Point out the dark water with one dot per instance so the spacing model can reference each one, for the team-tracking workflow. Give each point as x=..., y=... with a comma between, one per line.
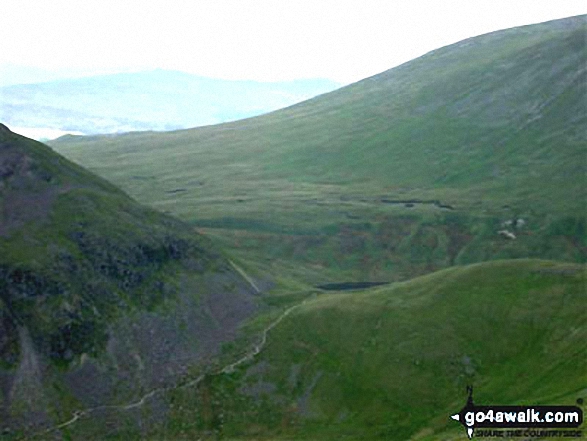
x=345, y=286
x=409, y=203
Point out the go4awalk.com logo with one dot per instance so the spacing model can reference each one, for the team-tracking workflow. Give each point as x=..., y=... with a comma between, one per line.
x=526, y=421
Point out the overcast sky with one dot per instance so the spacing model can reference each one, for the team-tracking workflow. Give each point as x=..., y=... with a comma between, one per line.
x=259, y=40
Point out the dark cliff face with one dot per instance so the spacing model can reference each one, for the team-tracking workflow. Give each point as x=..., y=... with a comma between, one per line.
x=77, y=253
x=81, y=264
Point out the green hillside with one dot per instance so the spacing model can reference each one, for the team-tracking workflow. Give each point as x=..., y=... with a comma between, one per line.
x=393, y=363
x=100, y=297
x=409, y=171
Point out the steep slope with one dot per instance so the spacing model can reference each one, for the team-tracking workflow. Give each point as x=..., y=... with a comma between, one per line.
x=408, y=171
x=393, y=363
x=101, y=299
x=152, y=100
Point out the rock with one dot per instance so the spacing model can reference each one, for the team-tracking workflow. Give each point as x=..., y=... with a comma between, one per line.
x=507, y=234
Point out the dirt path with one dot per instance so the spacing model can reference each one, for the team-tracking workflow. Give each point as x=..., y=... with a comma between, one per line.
x=245, y=276
x=78, y=414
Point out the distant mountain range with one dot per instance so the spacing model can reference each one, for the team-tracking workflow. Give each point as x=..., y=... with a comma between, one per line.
x=153, y=100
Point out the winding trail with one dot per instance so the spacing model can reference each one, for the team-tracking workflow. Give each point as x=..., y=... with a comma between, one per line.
x=78, y=414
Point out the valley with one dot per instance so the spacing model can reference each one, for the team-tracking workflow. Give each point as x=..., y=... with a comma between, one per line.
x=471, y=136
x=343, y=268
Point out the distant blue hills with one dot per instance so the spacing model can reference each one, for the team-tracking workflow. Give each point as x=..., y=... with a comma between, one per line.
x=151, y=100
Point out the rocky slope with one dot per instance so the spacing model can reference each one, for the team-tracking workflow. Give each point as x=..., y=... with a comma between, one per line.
x=100, y=298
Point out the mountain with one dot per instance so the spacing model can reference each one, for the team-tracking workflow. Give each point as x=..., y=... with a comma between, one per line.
x=473, y=152
x=455, y=182
x=101, y=299
x=152, y=100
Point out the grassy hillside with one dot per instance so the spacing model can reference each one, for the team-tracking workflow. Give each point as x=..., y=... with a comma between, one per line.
x=394, y=362
x=411, y=170
x=152, y=100
x=388, y=363
x=100, y=297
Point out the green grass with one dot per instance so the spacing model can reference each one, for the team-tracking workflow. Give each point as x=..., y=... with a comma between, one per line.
x=487, y=126
x=392, y=362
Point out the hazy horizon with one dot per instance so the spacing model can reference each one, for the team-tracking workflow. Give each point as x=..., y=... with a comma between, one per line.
x=258, y=40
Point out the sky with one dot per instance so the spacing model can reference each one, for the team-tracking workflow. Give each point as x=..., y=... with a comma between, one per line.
x=261, y=40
